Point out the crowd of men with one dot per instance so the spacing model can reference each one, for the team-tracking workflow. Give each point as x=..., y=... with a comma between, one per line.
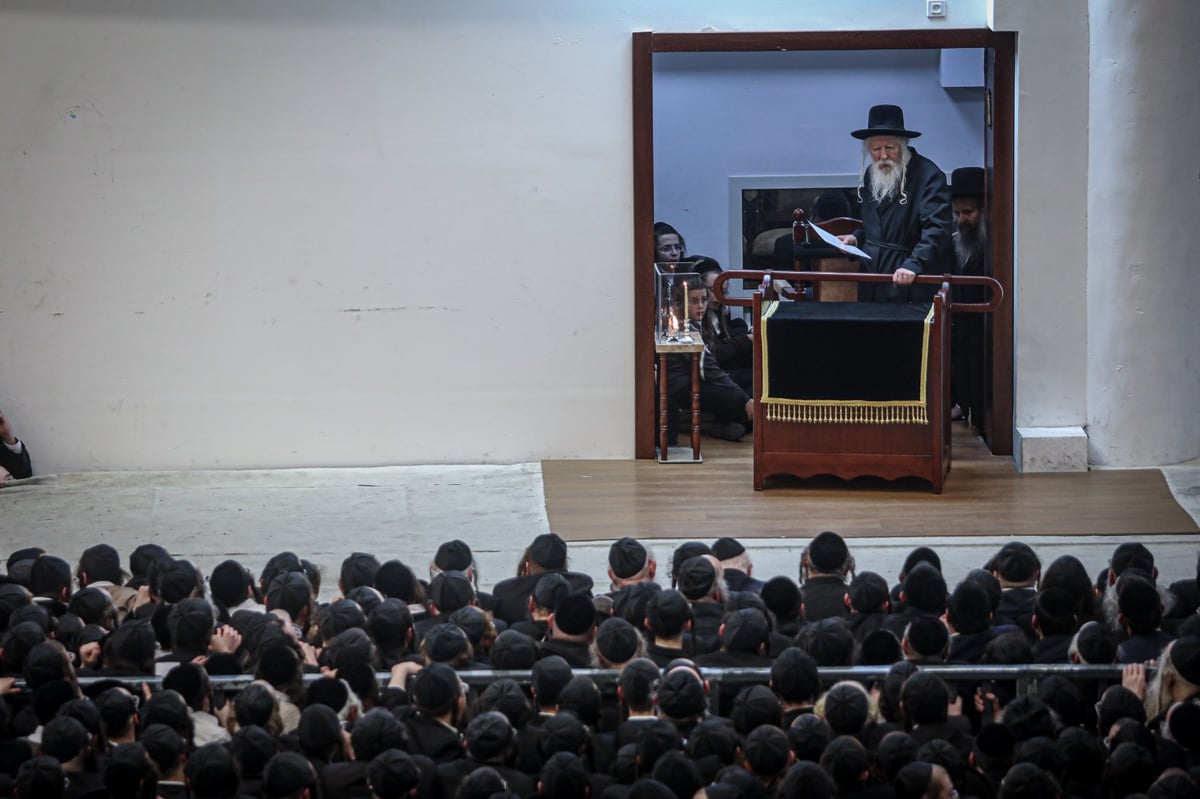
x=118, y=683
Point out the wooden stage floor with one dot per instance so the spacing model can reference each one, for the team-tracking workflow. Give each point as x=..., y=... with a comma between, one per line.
x=589, y=500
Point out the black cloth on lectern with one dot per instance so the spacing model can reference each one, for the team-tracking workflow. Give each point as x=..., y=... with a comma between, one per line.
x=870, y=352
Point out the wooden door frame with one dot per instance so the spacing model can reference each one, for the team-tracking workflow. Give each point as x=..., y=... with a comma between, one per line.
x=1002, y=131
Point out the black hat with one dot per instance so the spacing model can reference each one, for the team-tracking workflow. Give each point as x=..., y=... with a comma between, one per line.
x=1094, y=645
x=868, y=591
x=395, y=579
x=781, y=595
x=508, y=697
x=133, y=641
x=885, y=120
x=287, y=774
x=828, y=552
x=27, y=553
x=175, y=580
x=685, y=551
x=548, y=551
x=445, y=642
x=617, y=640
x=550, y=589
x=1185, y=657
x=230, y=583
x=847, y=708
x=927, y=636
x=252, y=747
x=211, y=772
x=879, y=648
x=562, y=732
x=754, y=706
x=436, y=689
x=472, y=620
x=696, y=577
x=91, y=605
x=40, y=776
x=745, y=631
x=453, y=556
x=331, y=692
x=143, y=557
x=626, y=557
x=514, y=650
x=488, y=735
x=393, y=774
x=101, y=562
x=575, y=614
x=1016, y=562
x=726, y=548
x=913, y=780
x=681, y=694
x=376, y=731
x=368, y=597
x=829, y=641
x=548, y=677
x=450, y=591
x=766, y=750
x=1132, y=554
x=319, y=729
x=809, y=735
x=967, y=181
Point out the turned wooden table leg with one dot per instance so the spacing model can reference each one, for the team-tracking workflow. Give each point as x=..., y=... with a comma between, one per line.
x=662, y=406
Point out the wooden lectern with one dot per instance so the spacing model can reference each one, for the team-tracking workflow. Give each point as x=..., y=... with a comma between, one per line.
x=807, y=434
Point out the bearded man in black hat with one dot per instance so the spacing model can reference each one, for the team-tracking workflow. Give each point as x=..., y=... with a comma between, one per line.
x=905, y=211
x=966, y=329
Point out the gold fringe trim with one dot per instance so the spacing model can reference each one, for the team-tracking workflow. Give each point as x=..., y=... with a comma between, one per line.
x=847, y=412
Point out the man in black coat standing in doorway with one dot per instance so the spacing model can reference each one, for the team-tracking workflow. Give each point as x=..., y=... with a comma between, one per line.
x=905, y=211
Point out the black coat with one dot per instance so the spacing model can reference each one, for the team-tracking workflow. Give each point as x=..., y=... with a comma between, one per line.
x=912, y=233
x=824, y=597
x=19, y=466
x=511, y=596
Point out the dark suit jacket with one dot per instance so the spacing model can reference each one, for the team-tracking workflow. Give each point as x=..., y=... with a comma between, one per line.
x=824, y=597
x=19, y=466
x=1016, y=607
x=511, y=596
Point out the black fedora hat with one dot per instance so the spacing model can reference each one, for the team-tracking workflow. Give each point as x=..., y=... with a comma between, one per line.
x=885, y=120
x=967, y=181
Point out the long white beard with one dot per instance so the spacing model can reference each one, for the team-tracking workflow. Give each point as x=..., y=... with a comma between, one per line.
x=885, y=183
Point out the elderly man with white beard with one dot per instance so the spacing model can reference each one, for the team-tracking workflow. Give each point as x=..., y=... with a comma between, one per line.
x=905, y=211
x=966, y=329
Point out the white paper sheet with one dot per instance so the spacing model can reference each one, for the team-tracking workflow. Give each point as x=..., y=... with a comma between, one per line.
x=834, y=241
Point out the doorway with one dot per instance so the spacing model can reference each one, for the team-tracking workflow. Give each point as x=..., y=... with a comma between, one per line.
x=1000, y=67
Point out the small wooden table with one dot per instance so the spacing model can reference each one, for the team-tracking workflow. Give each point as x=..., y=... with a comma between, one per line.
x=665, y=348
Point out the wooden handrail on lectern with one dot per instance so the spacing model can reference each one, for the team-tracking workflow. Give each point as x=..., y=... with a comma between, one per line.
x=766, y=278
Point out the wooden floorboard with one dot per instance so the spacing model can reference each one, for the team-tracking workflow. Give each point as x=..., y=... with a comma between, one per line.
x=590, y=500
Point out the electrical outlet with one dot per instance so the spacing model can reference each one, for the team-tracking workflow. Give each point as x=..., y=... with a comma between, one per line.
x=935, y=9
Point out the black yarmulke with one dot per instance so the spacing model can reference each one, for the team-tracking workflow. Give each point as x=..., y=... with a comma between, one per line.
x=766, y=750
x=453, y=556
x=575, y=614
x=696, y=577
x=436, y=689
x=550, y=589
x=513, y=650
x=617, y=640
x=548, y=551
x=626, y=557
x=445, y=642
x=450, y=591
x=828, y=552
x=726, y=548
x=488, y=735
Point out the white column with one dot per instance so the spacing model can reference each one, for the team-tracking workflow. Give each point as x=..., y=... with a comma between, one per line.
x=1143, y=254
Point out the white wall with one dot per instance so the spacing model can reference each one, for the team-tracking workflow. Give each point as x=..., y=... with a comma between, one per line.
x=1142, y=235
x=1050, y=352
x=242, y=234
